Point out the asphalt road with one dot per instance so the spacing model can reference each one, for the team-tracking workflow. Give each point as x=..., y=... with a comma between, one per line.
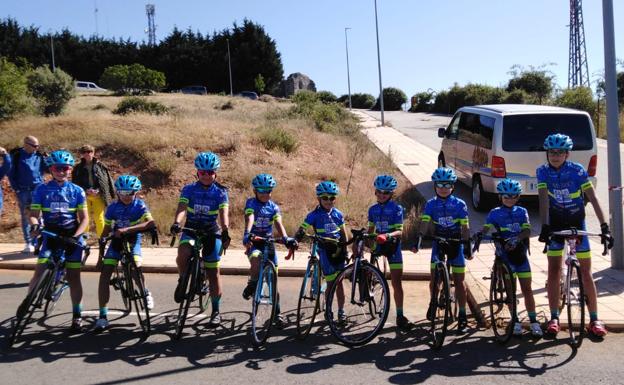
x=49, y=354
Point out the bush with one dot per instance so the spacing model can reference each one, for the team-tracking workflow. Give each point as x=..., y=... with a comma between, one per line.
x=278, y=138
x=326, y=97
x=537, y=83
x=360, y=100
x=52, y=90
x=305, y=97
x=393, y=99
x=517, y=96
x=132, y=79
x=578, y=98
x=14, y=93
x=422, y=102
x=325, y=117
x=136, y=104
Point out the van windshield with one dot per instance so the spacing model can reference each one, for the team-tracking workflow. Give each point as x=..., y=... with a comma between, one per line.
x=527, y=132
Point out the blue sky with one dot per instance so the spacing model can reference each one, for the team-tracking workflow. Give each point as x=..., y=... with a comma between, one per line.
x=424, y=43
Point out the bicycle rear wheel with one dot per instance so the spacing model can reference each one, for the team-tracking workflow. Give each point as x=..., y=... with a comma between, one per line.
x=309, y=296
x=188, y=283
x=575, y=294
x=264, y=304
x=29, y=305
x=366, y=304
x=138, y=296
x=502, y=302
x=440, y=305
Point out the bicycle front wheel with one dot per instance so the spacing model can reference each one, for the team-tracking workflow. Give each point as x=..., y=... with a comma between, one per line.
x=202, y=288
x=29, y=305
x=188, y=282
x=138, y=296
x=502, y=302
x=264, y=304
x=309, y=296
x=575, y=294
x=363, y=294
x=53, y=291
x=120, y=282
x=440, y=306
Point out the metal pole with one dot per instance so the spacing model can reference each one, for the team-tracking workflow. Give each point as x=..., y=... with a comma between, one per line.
x=348, y=76
x=613, y=136
x=52, y=49
x=381, y=105
x=229, y=66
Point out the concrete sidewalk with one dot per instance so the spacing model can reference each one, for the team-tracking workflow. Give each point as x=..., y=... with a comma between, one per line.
x=417, y=162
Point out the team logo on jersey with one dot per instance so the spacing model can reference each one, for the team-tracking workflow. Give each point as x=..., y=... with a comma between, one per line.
x=59, y=207
x=446, y=221
x=330, y=228
x=513, y=227
x=201, y=209
x=562, y=195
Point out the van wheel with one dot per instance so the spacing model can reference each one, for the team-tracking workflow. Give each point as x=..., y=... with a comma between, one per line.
x=480, y=198
x=441, y=160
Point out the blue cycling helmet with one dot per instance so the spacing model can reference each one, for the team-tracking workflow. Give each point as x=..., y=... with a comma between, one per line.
x=385, y=183
x=509, y=186
x=264, y=182
x=207, y=161
x=128, y=183
x=444, y=174
x=558, y=142
x=327, y=187
x=60, y=158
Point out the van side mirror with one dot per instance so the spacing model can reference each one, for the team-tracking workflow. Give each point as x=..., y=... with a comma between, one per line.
x=441, y=132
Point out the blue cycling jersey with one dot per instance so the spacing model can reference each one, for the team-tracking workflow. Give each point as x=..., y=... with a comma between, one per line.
x=565, y=187
x=203, y=203
x=264, y=216
x=59, y=204
x=119, y=215
x=448, y=215
x=325, y=223
x=508, y=221
x=386, y=217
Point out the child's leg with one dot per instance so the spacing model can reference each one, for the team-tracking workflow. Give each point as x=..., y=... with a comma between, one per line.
x=104, y=288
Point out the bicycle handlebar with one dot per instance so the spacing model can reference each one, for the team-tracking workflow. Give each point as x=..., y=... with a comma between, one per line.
x=573, y=233
x=104, y=240
x=67, y=240
x=192, y=231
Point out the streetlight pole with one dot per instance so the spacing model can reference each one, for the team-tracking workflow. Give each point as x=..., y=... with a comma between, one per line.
x=381, y=105
x=229, y=66
x=613, y=136
x=52, y=50
x=348, y=76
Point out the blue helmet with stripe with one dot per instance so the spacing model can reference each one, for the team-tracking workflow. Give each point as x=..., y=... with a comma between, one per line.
x=444, y=174
x=264, y=182
x=60, y=158
x=385, y=183
x=558, y=142
x=509, y=186
x=207, y=161
x=327, y=188
x=127, y=183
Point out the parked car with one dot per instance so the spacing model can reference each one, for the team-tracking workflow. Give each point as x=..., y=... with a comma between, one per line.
x=484, y=144
x=194, y=90
x=248, y=94
x=88, y=87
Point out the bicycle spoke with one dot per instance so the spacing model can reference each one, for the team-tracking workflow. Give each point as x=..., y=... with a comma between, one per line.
x=264, y=304
x=502, y=302
x=308, y=304
x=576, y=305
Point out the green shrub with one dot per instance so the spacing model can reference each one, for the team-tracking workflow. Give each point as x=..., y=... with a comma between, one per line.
x=14, y=93
x=517, y=96
x=578, y=98
x=278, y=138
x=537, y=83
x=304, y=97
x=393, y=99
x=422, y=102
x=325, y=117
x=135, y=78
x=326, y=97
x=135, y=104
x=52, y=90
x=360, y=100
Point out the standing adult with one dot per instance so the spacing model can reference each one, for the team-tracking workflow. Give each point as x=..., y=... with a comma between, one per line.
x=26, y=173
x=5, y=166
x=93, y=176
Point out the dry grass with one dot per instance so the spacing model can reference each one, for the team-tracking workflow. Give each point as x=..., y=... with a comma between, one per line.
x=161, y=149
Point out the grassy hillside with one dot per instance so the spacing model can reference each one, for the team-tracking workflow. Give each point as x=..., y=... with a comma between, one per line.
x=160, y=150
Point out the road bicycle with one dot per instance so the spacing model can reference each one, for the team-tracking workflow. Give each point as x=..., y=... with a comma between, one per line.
x=51, y=283
x=366, y=298
x=572, y=292
x=128, y=277
x=193, y=280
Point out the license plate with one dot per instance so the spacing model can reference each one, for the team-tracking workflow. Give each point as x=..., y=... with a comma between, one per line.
x=532, y=186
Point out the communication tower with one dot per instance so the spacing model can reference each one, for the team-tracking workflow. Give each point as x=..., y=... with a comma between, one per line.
x=578, y=73
x=150, y=9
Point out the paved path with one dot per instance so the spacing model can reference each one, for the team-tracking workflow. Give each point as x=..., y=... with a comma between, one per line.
x=417, y=161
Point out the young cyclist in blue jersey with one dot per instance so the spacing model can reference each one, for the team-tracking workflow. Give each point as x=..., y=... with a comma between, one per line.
x=561, y=185
x=446, y=215
x=261, y=214
x=128, y=215
x=203, y=203
x=511, y=222
x=328, y=222
x=385, y=218
x=62, y=205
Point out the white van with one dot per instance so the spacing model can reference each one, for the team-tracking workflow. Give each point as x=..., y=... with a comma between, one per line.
x=88, y=87
x=484, y=144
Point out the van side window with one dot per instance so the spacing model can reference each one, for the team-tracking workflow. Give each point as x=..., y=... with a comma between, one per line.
x=468, y=128
x=486, y=131
x=454, y=126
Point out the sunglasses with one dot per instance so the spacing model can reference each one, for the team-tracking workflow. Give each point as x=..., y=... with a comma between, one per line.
x=263, y=190
x=32, y=145
x=383, y=192
x=510, y=196
x=60, y=168
x=125, y=193
x=206, y=172
x=557, y=152
x=444, y=185
x=330, y=198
